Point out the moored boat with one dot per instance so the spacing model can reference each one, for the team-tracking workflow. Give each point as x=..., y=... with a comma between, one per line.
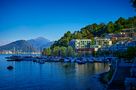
x=14, y=58
x=80, y=61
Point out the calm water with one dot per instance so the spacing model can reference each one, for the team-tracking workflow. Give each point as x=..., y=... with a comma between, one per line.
x=50, y=76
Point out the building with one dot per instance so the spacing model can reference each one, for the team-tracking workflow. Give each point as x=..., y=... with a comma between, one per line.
x=120, y=46
x=88, y=45
x=131, y=44
x=80, y=43
x=125, y=34
x=6, y=52
x=102, y=42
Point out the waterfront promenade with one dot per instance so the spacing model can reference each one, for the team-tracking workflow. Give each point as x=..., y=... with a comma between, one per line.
x=119, y=77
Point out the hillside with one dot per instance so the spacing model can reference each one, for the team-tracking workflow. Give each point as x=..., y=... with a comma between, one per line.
x=36, y=44
x=20, y=45
x=39, y=43
x=99, y=30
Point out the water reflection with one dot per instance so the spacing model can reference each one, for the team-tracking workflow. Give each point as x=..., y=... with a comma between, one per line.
x=91, y=68
x=30, y=75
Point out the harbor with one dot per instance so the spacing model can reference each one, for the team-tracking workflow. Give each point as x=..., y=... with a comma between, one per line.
x=43, y=59
x=50, y=75
x=67, y=45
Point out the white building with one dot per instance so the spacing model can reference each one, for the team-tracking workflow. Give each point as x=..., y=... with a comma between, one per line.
x=88, y=43
x=102, y=41
x=80, y=43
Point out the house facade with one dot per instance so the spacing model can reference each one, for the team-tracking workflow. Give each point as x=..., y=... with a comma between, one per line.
x=88, y=45
x=80, y=43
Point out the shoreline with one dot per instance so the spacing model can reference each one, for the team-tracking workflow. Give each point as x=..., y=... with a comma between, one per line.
x=97, y=81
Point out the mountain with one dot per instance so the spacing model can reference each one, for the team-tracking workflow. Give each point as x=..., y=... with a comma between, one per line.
x=28, y=45
x=47, y=45
x=40, y=43
x=20, y=45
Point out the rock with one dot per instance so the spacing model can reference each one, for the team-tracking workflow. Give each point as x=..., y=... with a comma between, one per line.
x=10, y=67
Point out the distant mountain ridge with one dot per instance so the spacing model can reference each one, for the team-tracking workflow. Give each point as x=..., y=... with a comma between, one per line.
x=19, y=45
x=39, y=43
x=31, y=45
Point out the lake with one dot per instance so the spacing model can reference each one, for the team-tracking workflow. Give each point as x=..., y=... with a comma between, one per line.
x=28, y=75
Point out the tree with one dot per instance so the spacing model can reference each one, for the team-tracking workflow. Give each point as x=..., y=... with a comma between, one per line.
x=64, y=41
x=110, y=27
x=96, y=30
x=120, y=24
x=55, y=51
x=101, y=30
x=128, y=55
x=86, y=34
x=47, y=51
x=67, y=34
x=70, y=51
x=118, y=28
x=63, y=51
x=131, y=52
x=133, y=3
x=78, y=35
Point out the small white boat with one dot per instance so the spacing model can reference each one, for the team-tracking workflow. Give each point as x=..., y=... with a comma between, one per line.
x=66, y=60
x=73, y=59
x=80, y=61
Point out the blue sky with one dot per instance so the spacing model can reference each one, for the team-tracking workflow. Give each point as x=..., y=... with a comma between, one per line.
x=26, y=19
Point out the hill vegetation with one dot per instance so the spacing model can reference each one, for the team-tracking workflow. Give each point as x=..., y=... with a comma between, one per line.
x=96, y=30
x=93, y=30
